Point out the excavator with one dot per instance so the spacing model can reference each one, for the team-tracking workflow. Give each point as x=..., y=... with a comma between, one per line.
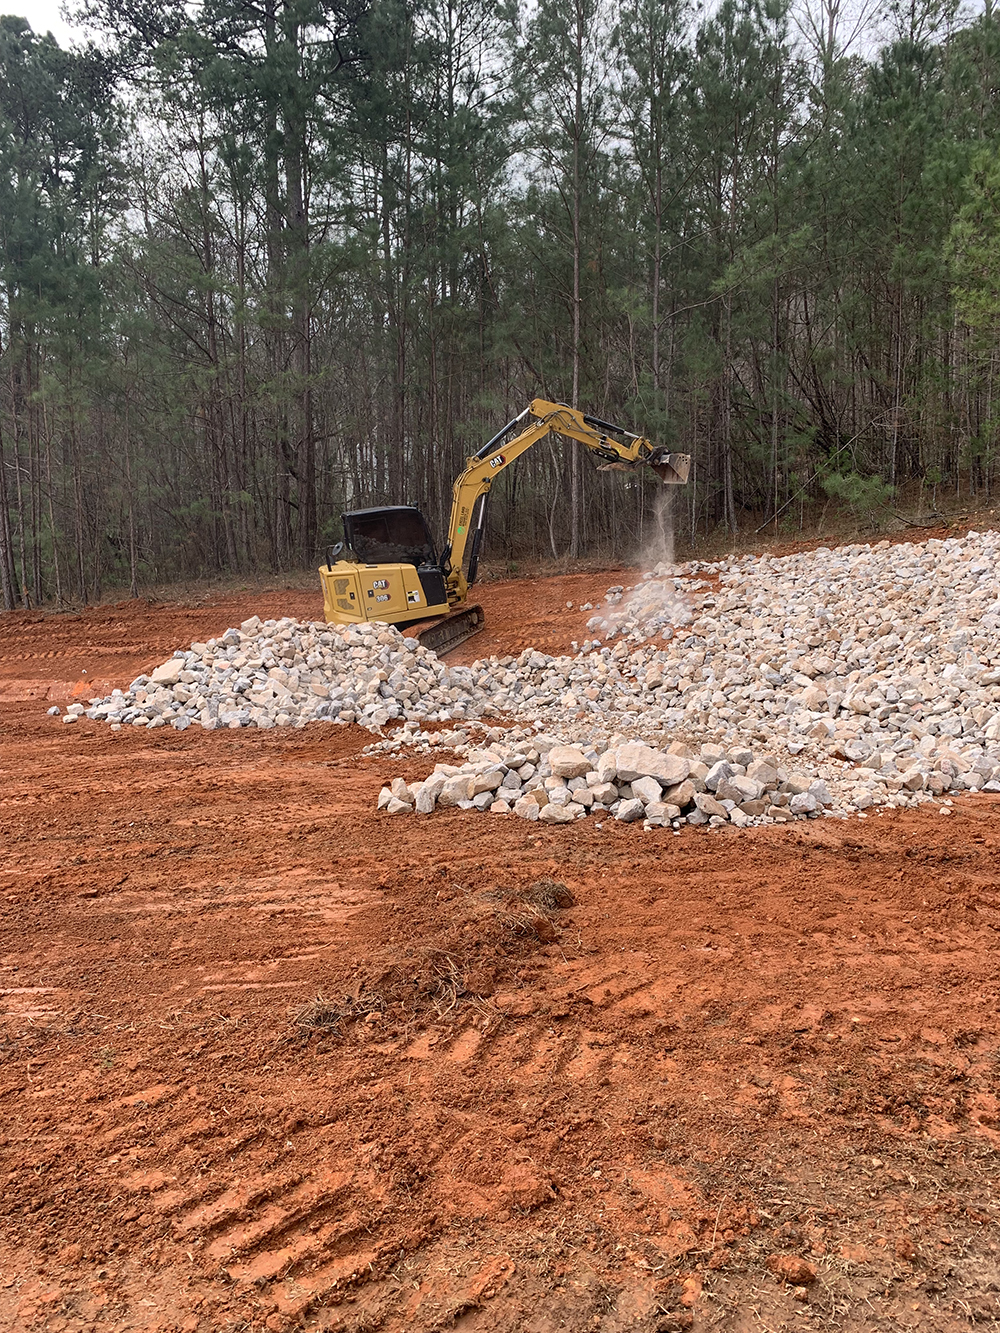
x=387, y=568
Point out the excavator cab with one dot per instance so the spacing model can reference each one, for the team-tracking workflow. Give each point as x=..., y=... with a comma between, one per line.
x=390, y=570
x=395, y=535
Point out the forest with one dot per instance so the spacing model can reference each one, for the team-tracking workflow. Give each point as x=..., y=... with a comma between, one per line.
x=264, y=260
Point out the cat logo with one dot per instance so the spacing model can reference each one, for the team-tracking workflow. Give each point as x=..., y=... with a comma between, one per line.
x=498, y=461
x=381, y=583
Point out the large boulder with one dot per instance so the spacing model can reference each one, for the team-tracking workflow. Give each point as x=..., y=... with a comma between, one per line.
x=169, y=673
x=719, y=772
x=457, y=789
x=682, y=794
x=646, y=789
x=566, y=761
x=635, y=760
x=605, y=793
x=709, y=806
x=739, y=789
x=556, y=814
x=661, y=812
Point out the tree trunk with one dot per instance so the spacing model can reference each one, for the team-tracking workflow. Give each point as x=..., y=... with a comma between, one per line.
x=8, y=579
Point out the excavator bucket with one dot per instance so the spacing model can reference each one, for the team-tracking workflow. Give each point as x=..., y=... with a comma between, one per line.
x=672, y=469
x=450, y=631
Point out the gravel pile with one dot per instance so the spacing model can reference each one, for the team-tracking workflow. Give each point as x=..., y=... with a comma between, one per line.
x=278, y=673
x=556, y=784
x=875, y=669
x=872, y=669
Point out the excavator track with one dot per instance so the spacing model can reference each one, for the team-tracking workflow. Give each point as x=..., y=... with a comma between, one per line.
x=447, y=633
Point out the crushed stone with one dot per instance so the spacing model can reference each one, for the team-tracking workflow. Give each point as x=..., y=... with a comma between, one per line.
x=870, y=673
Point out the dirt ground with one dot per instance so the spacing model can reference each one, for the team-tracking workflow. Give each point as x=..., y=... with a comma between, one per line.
x=270, y=1059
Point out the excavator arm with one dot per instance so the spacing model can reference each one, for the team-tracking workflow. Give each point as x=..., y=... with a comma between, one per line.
x=618, y=448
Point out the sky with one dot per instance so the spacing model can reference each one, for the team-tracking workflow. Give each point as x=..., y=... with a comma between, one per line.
x=43, y=15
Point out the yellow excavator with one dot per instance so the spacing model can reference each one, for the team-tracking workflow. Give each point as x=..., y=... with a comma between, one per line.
x=387, y=567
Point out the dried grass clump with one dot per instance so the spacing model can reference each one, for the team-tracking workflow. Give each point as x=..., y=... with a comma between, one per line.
x=323, y=1015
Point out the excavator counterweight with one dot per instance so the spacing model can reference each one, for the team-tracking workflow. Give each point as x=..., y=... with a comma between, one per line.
x=388, y=569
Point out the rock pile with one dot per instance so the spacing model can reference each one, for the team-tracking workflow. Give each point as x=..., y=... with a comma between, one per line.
x=629, y=781
x=873, y=668
x=281, y=674
x=878, y=666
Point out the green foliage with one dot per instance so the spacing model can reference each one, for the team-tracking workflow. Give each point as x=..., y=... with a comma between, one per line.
x=974, y=248
x=863, y=496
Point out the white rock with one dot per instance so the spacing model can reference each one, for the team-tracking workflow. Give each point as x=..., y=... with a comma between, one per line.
x=720, y=771
x=169, y=673
x=635, y=760
x=709, y=806
x=682, y=795
x=434, y=785
x=661, y=812
x=803, y=803
x=605, y=793
x=555, y=814
x=568, y=762
x=457, y=789
x=426, y=800
x=646, y=790
x=738, y=788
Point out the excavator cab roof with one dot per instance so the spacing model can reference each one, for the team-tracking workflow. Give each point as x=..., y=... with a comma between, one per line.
x=396, y=535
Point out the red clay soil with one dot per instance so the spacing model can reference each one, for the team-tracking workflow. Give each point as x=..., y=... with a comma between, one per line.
x=271, y=1059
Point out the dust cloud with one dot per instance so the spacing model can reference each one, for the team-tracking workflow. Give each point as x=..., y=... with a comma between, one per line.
x=657, y=604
